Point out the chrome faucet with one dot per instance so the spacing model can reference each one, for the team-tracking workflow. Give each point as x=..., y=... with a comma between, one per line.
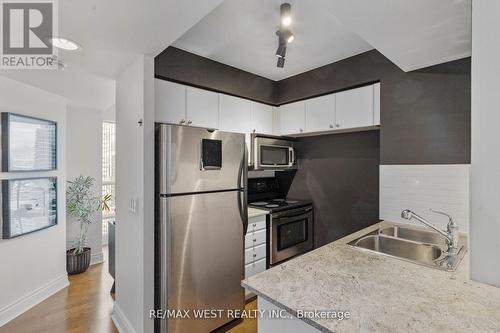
x=451, y=233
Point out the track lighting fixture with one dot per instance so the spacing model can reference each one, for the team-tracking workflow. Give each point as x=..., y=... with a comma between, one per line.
x=285, y=35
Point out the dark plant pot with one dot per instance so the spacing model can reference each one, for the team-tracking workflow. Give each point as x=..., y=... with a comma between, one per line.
x=77, y=263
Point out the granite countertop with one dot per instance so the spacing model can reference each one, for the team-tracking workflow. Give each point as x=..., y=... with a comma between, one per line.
x=382, y=294
x=254, y=212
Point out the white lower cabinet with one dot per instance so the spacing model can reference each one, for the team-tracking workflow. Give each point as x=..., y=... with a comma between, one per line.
x=254, y=253
x=255, y=248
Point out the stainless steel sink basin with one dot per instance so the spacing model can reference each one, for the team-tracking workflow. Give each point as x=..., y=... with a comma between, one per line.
x=417, y=235
x=411, y=244
x=425, y=253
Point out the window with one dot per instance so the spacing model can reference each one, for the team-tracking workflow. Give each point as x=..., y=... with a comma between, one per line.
x=108, y=174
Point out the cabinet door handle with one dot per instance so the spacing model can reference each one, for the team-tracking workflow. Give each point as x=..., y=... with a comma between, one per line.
x=189, y=122
x=301, y=130
x=331, y=126
x=254, y=255
x=182, y=121
x=254, y=240
x=337, y=125
x=254, y=224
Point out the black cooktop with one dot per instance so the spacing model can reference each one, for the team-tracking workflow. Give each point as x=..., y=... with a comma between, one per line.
x=278, y=204
x=266, y=193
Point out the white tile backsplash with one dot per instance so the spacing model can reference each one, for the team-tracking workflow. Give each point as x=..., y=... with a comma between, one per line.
x=420, y=187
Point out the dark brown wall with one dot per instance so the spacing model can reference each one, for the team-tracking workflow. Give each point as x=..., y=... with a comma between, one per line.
x=183, y=67
x=425, y=114
x=425, y=118
x=340, y=174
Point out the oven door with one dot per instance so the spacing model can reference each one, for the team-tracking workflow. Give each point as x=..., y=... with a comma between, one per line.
x=291, y=234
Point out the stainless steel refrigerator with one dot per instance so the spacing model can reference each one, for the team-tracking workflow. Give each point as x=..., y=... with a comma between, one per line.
x=201, y=219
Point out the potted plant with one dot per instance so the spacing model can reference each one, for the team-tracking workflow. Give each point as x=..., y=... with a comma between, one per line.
x=81, y=204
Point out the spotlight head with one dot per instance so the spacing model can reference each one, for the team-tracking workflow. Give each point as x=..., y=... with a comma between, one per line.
x=286, y=14
x=287, y=36
x=281, y=51
x=281, y=62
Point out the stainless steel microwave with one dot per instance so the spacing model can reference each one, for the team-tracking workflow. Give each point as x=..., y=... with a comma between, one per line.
x=272, y=152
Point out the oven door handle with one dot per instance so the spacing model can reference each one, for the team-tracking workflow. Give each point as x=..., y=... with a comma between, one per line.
x=291, y=217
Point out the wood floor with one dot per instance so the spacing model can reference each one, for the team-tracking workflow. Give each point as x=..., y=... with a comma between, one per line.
x=86, y=306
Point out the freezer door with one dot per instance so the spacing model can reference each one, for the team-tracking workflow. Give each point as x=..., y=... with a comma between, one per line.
x=202, y=257
x=191, y=159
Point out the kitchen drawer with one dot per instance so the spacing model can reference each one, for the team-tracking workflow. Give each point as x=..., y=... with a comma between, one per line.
x=255, y=267
x=255, y=253
x=256, y=223
x=255, y=238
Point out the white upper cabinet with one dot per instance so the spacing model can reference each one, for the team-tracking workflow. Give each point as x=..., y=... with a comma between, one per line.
x=235, y=114
x=320, y=113
x=202, y=108
x=262, y=118
x=354, y=108
x=292, y=118
x=170, y=102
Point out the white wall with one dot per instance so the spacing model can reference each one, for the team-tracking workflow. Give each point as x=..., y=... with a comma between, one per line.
x=109, y=114
x=485, y=170
x=83, y=157
x=421, y=187
x=33, y=266
x=134, y=186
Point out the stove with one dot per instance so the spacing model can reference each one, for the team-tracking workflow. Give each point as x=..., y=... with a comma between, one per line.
x=290, y=222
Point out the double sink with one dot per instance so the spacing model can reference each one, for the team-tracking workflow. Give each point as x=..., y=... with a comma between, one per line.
x=419, y=246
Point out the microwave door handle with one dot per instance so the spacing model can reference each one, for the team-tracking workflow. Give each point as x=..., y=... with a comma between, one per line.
x=291, y=153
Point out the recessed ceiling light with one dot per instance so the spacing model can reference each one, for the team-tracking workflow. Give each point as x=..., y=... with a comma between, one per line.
x=65, y=44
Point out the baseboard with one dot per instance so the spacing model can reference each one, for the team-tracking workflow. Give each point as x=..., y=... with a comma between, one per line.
x=96, y=258
x=25, y=303
x=120, y=320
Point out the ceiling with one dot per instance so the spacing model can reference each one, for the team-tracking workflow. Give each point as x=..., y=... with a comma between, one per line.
x=241, y=33
x=79, y=87
x=412, y=34
x=113, y=34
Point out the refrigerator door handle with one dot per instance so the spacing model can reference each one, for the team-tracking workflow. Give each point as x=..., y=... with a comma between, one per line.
x=242, y=192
